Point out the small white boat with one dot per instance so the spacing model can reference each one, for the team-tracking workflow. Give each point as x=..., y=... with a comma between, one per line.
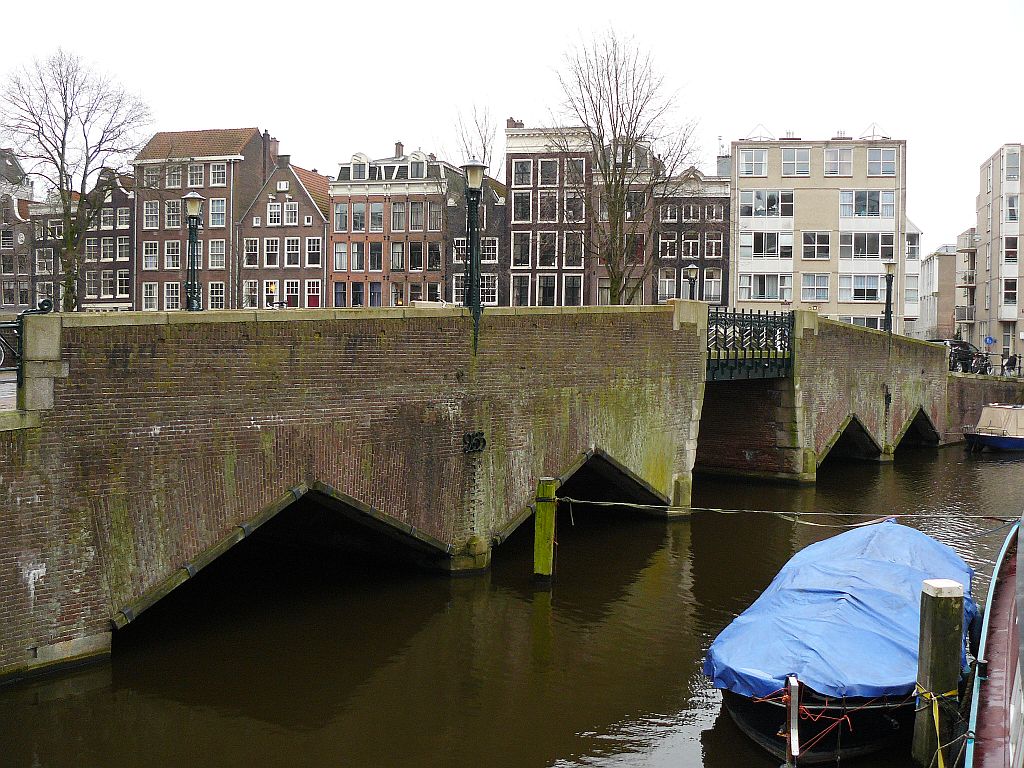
x=1000, y=428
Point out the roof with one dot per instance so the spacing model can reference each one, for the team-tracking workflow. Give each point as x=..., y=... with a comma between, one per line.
x=214, y=142
x=316, y=185
x=10, y=168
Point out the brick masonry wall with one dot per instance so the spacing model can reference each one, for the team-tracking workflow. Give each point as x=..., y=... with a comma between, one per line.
x=739, y=426
x=169, y=431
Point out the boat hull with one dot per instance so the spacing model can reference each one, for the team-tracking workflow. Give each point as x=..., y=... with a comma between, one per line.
x=868, y=730
x=978, y=442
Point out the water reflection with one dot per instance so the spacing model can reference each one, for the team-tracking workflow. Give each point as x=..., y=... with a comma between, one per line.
x=278, y=656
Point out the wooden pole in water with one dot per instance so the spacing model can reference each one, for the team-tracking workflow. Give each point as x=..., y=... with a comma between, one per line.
x=938, y=668
x=544, y=529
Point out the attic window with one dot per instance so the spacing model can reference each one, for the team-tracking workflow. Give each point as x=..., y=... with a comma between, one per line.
x=282, y=186
x=417, y=169
x=309, y=221
x=359, y=170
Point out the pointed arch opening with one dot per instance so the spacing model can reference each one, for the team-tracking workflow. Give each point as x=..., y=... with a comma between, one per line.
x=918, y=432
x=852, y=441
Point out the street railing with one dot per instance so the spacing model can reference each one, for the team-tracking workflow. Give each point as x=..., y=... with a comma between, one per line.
x=12, y=340
x=749, y=345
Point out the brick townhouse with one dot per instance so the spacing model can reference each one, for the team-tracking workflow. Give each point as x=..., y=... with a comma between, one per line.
x=228, y=167
x=283, y=235
x=398, y=231
x=15, y=254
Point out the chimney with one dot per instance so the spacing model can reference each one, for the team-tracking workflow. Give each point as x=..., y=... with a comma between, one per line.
x=513, y=123
x=399, y=149
x=432, y=157
x=283, y=161
x=724, y=165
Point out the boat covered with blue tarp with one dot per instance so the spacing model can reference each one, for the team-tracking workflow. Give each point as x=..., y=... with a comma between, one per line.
x=842, y=615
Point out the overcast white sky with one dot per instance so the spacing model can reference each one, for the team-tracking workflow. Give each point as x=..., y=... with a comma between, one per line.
x=331, y=79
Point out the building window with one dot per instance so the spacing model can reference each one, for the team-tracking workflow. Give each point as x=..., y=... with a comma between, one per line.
x=867, y=202
x=575, y=171
x=489, y=250
x=667, y=242
x=376, y=260
x=910, y=289
x=398, y=257
x=124, y=283
x=292, y=252
x=341, y=257
x=766, y=245
x=666, y=284
x=547, y=249
x=173, y=180
x=1012, y=165
x=691, y=212
x=251, y=294
x=172, y=214
x=291, y=214
x=1012, y=207
x=862, y=322
x=521, y=243
x=691, y=245
x=765, y=287
x=434, y=221
x=669, y=213
x=713, y=242
x=251, y=258
x=489, y=289
x=546, y=290
x=547, y=206
x=398, y=217
x=839, y=162
x=341, y=217
x=522, y=173
x=107, y=249
x=814, y=287
x=216, y=293
x=314, y=251
x=376, y=217
x=358, y=171
x=271, y=252
x=92, y=248
x=172, y=254
x=753, y=162
x=270, y=293
x=358, y=254
x=433, y=259
x=376, y=297
x=151, y=254
x=312, y=293
x=713, y=285
x=151, y=214
x=548, y=173
x=521, y=204
x=1010, y=250
x=55, y=229
x=172, y=296
x=218, y=174
x=520, y=291
x=866, y=245
x=861, y=287
x=714, y=212
x=766, y=202
x=273, y=214
x=574, y=207
x=291, y=293
x=341, y=294
x=1010, y=291
x=217, y=254
x=218, y=208
x=150, y=179
x=107, y=218
x=417, y=169
x=913, y=246
x=44, y=261
x=817, y=245
x=195, y=175
x=149, y=297
x=796, y=161
x=416, y=216
x=358, y=290
x=124, y=249
x=416, y=256
x=459, y=251
x=7, y=239
x=572, y=290
x=572, y=254
x=124, y=218
x=881, y=161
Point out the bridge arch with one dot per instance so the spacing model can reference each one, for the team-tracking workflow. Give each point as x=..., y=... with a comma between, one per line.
x=852, y=440
x=918, y=431
x=421, y=547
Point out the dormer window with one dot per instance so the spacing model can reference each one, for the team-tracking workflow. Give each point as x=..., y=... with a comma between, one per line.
x=417, y=170
x=359, y=171
x=282, y=186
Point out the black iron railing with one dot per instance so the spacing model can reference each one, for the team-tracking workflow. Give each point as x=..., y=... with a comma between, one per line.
x=12, y=340
x=749, y=345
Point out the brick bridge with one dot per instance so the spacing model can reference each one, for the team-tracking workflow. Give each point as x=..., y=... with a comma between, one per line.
x=146, y=445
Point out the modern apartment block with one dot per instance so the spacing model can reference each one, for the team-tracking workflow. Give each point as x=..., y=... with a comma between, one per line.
x=398, y=232
x=814, y=223
x=284, y=235
x=228, y=167
x=936, y=319
x=988, y=281
x=965, y=282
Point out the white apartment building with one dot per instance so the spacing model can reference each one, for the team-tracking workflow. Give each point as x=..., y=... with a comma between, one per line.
x=988, y=280
x=814, y=224
x=936, y=317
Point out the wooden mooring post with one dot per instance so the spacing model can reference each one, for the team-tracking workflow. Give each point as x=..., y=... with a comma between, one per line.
x=544, y=529
x=938, y=669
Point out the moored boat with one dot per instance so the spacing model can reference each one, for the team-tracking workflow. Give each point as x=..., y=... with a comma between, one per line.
x=1000, y=427
x=826, y=658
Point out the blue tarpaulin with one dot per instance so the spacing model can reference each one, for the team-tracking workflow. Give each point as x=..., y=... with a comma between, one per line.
x=842, y=615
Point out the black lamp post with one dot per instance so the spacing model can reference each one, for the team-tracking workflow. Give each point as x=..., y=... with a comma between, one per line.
x=890, y=273
x=193, y=210
x=691, y=273
x=474, y=171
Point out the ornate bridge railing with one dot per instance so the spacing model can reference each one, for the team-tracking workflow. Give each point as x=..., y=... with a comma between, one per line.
x=11, y=342
x=749, y=345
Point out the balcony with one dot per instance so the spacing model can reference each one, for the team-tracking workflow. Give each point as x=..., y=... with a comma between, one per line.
x=965, y=314
x=967, y=242
x=1008, y=312
x=965, y=277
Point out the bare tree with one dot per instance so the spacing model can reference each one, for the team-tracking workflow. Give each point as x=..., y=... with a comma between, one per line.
x=618, y=115
x=476, y=136
x=76, y=130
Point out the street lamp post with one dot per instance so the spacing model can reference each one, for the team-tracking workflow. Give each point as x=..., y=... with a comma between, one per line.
x=890, y=273
x=193, y=210
x=474, y=171
x=691, y=272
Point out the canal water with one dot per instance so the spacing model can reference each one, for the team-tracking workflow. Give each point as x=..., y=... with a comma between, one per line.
x=282, y=655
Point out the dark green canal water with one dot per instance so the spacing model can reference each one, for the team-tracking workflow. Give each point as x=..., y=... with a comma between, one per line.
x=280, y=655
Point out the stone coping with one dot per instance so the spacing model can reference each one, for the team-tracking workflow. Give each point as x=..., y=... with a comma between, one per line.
x=112, y=319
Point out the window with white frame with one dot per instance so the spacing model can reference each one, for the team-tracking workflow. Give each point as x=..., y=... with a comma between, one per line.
x=283, y=185
x=124, y=248
x=666, y=284
x=861, y=287
x=434, y=216
x=307, y=221
x=866, y=245
x=667, y=245
x=376, y=217
x=173, y=179
x=150, y=178
x=817, y=245
x=397, y=257
x=572, y=290
x=691, y=245
x=106, y=218
x=341, y=217
x=291, y=213
x=251, y=257
x=1012, y=207
x=881, y=161
x=910, y=288
x=218, y=174
x=151, y=214
x=670, y=213
x=172, y=254
x=216, y=294
x=415, y=216
x=271, y=252
x=172, y=214
x=521, y=204
x=522, y=173
x=107, y=249
x=124, y=283
x=92, y=285
x=291, y=293
x=867, y=203
x=149, y=297
x=172, y=296
x=547, y=206
x=357, y=253
x=575, y=171
x=759, y=286
x=375, y=261
x=713, y=285
x=489, y=289
x=292, y=252
x=358, y=171
x=7, y=239
x=1012, y=165
x=44, y=261
x=459, y=288
x=256, y=221
x=796, y=161
x=398, y=217
x=713, y=243
x=691, y=212
x=217, y=254
x=546, y=290
x=92, y=248
x=548, y=173
x=199, y=254
x=314, y=251
x=574, y=207
x=459, y=249
x=250, y=294
x=521, y=242
x=519, y=291
x=766, y=245
x=838, y=161
x=124, y=218
x=273, y=214
x=416, y=256
x=761, y=203
x=1010, y=249
x=341, y=257
x=753, y=162
x=417, y=169
x=151, y=255
x=313, y=293
x=547, y=249
x=1010, y=291
x=714, y=212
x=814, y=287
x=862, y=321
x=913, y=246
x=489, y=250
x=271, y=293
x=572, y=253
x=195, y=175
x=218, y=211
